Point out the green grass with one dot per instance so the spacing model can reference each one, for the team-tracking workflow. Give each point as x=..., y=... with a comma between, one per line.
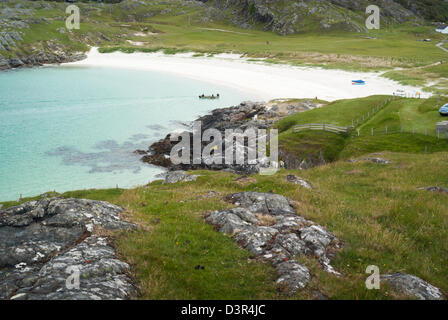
x=376, y=210
x=417, y=117
x=109, y=26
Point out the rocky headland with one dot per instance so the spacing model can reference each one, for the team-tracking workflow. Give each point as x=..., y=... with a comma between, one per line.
x=247, y=115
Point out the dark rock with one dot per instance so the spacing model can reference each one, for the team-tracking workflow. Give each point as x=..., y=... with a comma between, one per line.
x=413, y=286
x=15, y=62
x=238, y=117
x=40, y=239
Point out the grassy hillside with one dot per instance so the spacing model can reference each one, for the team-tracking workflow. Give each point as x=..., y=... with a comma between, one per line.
x=377, y=210
x=417, y=117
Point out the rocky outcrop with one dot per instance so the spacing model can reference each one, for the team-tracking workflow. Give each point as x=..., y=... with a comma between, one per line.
x=39, y=59
x=267, y=225
x=412, y=286
x=287, y=17
x=46, y=245
x=241, y=117
x=179, y=176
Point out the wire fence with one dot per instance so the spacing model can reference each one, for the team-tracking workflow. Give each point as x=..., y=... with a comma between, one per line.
x=440, y=131
x=377, y=131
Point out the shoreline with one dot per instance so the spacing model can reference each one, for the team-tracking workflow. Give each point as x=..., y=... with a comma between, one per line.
x=264, y=81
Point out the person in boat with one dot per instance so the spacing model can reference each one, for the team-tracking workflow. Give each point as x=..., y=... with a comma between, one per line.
x=217, y=95
x=213, y=96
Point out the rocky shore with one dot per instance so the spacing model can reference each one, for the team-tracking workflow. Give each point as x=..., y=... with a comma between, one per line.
x=39, y=59
x=247, y=115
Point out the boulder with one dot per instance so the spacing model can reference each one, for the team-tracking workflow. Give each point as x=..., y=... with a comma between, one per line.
x=412, y=286
x=179, y=176
x=287, y=237
x=297, y=180
x=41, y=241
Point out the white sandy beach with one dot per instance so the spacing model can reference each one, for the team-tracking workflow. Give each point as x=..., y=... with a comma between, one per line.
x=263, y=80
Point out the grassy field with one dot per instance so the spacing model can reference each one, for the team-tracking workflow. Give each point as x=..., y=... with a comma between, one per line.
x=179, y=27
x=418, y=118
x=377, y=210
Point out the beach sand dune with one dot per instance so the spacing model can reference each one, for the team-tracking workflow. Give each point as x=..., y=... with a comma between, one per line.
x=263, y=80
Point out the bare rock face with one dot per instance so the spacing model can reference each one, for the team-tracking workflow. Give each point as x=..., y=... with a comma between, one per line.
x=43, y=243
x=413, y=286
x=266, y=224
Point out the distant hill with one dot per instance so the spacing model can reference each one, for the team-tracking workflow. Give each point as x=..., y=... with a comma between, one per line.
x=295, y=16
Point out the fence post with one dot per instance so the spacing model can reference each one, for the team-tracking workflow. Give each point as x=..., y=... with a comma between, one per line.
x=426, y=131
x=372, y=131
x=358, y=132
x=386, y=130
x=413, y=130
x=426, y=149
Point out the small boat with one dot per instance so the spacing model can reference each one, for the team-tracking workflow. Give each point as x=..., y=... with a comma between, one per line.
x=209, y=97
x=358, y=82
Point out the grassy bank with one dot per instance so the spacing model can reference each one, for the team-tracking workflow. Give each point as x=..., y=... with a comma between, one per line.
x=377, y=210
x=401, y=125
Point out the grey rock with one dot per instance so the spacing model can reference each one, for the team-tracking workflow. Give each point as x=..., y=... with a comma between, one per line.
x=179, y=176
x=378, y=160
x=297, y=180
x=40, y=235
x=267, y=203
x=291, y=235
x=435, y=189
x=292, y=244
x=293, y=275
x=15, y=62
x=413, y=286
x=255, y=239
x=227, y=221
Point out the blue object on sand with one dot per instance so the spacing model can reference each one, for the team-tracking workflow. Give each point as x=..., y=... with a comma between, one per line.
x=358, y=82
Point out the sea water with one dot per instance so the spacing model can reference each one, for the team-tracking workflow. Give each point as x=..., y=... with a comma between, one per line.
x=71, y=128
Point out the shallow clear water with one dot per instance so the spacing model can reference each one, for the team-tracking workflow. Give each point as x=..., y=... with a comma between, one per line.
x=69, y=128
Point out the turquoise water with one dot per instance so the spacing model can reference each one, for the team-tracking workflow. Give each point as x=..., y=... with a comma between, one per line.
x=70, y=128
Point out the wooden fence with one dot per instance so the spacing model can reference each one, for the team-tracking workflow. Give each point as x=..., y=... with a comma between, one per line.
x=323, y=127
